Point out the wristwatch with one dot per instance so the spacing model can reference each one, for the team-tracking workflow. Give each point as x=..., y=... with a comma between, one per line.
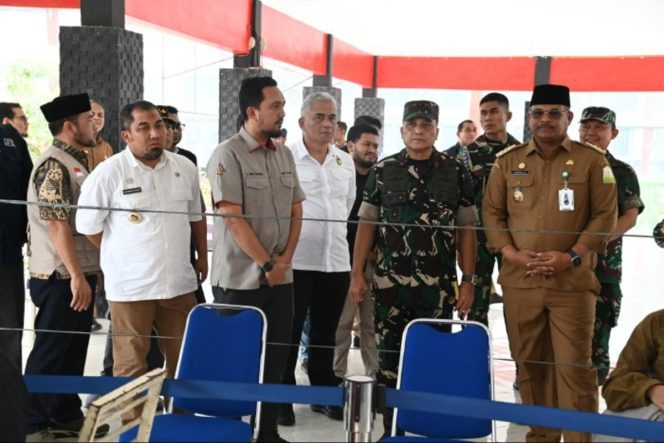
x=470, y=278
x=575, y=259
x=267, y=267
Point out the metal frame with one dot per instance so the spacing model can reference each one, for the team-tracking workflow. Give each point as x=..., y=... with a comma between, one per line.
x=451, y=322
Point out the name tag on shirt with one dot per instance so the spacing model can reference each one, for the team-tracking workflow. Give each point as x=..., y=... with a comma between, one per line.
x=131, y=191
x=566, y=199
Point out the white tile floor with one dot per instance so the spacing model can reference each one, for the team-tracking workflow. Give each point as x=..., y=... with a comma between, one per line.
x=643, y=293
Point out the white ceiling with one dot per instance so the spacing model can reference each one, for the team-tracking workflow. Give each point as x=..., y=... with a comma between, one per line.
x=488, y=28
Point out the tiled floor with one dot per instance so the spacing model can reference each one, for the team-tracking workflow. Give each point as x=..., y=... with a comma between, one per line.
x=643, y=293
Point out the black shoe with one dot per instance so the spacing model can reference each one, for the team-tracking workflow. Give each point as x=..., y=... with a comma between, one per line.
x=495, y=298
x=270, y=436
x=333, y=412
x=96, y=326
x=356, y=342
x=286, y=416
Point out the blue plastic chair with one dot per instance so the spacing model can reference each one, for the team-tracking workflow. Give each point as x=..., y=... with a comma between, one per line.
x=224, y=343
x=450, y=363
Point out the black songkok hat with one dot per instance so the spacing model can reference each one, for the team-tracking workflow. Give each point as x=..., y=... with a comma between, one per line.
x=550, y=95
x=65, y=106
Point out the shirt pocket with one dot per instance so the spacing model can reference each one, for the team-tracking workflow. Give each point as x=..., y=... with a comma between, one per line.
x=579, y=184
x=257, y=193
x=520, y=193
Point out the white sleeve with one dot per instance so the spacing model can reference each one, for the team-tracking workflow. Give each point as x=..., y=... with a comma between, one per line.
x=94, y=192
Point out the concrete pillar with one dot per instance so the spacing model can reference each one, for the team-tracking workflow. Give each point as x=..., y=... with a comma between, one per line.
x=230, y=81
x=107, y=63
x=372, y=106
x=334, y=92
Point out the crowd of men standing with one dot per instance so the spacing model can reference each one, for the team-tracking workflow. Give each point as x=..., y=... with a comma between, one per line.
x=412, y=220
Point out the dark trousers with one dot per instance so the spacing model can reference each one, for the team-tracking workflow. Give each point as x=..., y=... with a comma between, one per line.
x=57, y=353
x=12, y=302
x=277, y=304
x=324, y=294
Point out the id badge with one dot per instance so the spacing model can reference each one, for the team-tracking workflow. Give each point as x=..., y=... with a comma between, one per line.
x=566, y=199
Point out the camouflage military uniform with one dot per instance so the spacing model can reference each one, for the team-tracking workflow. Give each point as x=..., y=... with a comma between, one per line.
x=415, y=271
x=609, y=268
x=482, y=156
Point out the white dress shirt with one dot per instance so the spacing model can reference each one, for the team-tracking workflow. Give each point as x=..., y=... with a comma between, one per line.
x=144, y=256
x=330, y=190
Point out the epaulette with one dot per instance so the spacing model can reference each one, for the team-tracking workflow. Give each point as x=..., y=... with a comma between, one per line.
x=591, y=146
x=511, y=148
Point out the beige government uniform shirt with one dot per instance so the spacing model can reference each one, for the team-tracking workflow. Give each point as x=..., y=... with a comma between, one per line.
x=263, y=180
x=523, y=195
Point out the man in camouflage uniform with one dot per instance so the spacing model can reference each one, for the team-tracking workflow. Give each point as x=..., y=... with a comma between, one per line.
x=415, y=273
x=598, y=127
x=494, y=115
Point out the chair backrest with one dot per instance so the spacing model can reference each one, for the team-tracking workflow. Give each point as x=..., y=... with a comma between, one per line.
x=222, y=343
x=438, y=361
x=108, y=408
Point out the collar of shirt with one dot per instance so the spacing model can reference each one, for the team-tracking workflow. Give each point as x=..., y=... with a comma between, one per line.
x=253, y=144
x=300, y=151
x=405, y=158
x=79, y=155
x=138, y=164
x=532, y=145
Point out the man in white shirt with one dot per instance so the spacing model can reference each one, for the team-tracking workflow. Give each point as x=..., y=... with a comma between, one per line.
x=145, y=255
x=321, y=264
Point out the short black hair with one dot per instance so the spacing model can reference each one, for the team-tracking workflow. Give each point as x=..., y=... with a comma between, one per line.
x=170, y=109
x=368, y=120
x=126, y=117
x=355, y=132
x=7, y=109
x=496, y=97
x=460, y=125
x=342, y=125
x=251, y=93
x=56, y=125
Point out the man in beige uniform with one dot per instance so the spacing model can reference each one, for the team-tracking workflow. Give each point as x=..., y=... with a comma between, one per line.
x=63, y=264
x=251, y=262
x=551, y=183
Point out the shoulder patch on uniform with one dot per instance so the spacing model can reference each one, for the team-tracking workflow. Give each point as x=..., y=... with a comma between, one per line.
x=607, y=176
x=511, y=148
x=591, y=146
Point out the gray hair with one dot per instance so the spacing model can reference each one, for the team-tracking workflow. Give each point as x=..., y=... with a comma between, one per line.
x=314, y=97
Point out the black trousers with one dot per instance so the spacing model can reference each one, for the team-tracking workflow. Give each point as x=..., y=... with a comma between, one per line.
x=324, y=294
x=12, y=306
x=57, y=353
x=277, y=304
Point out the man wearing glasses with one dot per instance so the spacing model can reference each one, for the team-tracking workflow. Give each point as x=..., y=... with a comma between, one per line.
x=170, y=116
x=551, y=184
x=415, y=270
x=12, y=114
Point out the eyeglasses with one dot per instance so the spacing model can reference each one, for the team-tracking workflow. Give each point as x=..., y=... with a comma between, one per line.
x=21, y=117
x=179, y=126
x=554, y=114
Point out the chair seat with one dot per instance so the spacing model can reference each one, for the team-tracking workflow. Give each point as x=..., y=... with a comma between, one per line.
x=192, y=428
